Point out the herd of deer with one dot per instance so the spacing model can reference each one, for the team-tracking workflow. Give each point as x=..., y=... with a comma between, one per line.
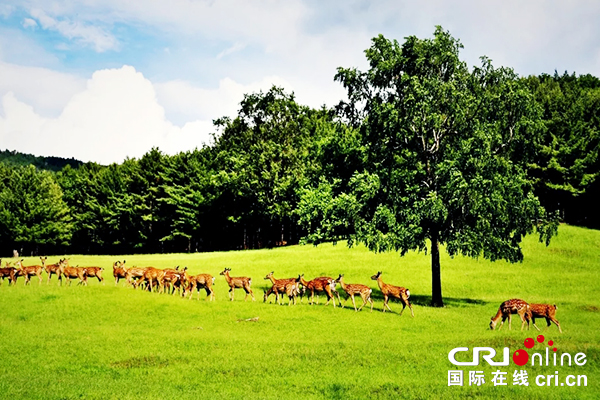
x=174, y=279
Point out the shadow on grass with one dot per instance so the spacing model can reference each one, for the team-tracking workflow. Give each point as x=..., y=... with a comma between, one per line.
x=425, y=301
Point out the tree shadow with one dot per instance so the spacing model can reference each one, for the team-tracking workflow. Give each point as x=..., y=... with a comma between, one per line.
x=425, y=301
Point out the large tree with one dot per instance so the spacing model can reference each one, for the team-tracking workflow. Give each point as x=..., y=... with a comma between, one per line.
x=444, y=153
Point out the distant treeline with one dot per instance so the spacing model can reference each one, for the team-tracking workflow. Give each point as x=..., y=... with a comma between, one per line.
x=49, y=163
x=244, y=191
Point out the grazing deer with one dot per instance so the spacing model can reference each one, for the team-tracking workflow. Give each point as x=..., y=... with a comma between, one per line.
x=119, y=271
x=509, y=307
x=133, y=274
x=546, y=311
x=352, y=289
x=8, y=272
x=73, y=272
x=393, y=291
x=240, y=282
x=30, y=271
x=279, y=286
x=52, y=269
x=321, y=284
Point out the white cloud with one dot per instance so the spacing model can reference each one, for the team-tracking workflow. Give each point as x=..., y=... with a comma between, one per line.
x=48, y=91
x=185, y=102
x=29, y=23
x=92, y=35
x=236, y=47
x=119, y=113
x=116, y=116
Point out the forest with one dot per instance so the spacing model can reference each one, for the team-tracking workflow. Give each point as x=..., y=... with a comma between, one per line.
x=422, y=148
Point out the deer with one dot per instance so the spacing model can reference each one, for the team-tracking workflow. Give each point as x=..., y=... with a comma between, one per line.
x=94, y=272
x=119, y=271
x=201, y=281
x=52, y=269
x=73, y=272
x=174, y=278
x=240, y=282
x=30, y=271
x=133, y=274
x=509, y=307
x=292, y=290
x=152, y=275
x=279, y=286
x=393, y=291
x=546, y=311
x=8, y=272
x=352, y=289
x=321, y=284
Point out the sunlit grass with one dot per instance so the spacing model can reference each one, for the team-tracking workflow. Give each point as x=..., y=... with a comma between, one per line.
x=103, y=342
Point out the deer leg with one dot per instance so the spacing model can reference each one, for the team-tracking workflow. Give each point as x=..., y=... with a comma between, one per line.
x=354, y=303
x=387, y=304
x=533, y=322
x=556, y=322
x=329, y=295
x=502, y=322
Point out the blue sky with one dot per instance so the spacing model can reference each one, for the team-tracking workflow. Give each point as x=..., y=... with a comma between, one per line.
x=105, y=80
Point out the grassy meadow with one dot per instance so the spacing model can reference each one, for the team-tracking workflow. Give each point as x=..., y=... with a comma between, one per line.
x=113, y=342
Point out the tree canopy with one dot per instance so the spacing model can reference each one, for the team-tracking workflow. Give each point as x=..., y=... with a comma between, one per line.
x=444, y=157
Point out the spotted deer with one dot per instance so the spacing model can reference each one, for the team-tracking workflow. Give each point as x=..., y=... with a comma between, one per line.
x=353, y=289
x=546, y=311
x=174, y=279
x=73, y=272
x=91, y=272
x=279, y=286
x=8, y=272
x=292, y=290
x=152, y=276
x=27, y=272
x=52, y=269
x=133, y=274
x=397, y=292
x=201, y=281
x=119, y=271
x=241, y=282
x=509, y=307
x=321, y=284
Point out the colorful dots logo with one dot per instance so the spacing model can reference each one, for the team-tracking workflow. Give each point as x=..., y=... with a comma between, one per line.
x=521, y=357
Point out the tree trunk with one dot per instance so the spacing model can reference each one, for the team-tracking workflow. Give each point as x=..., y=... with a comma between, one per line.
x=436, y=275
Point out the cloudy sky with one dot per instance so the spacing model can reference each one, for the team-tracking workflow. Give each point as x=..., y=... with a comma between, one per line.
x=102, y=80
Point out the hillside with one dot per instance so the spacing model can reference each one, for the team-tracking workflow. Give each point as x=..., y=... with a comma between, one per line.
x=47, y=163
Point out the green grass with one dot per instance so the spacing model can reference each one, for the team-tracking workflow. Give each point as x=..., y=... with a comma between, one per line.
x=107, y=342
